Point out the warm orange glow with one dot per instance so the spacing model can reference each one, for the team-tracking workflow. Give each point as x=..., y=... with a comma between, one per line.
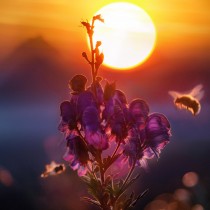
x=128, y=35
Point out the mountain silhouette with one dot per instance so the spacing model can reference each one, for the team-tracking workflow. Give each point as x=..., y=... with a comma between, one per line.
x=32, y=72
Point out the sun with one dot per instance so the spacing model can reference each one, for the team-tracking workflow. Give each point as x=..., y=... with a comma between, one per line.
x=128, y=35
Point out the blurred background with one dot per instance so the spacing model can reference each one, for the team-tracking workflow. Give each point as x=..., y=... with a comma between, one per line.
x=40, y=51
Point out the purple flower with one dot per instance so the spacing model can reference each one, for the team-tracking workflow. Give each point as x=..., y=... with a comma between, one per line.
x=139, y=111
x=116, y=114
x=98, y=89
x=93, y=132
x=120, y=97
x=85, y=99
x=157, y=131
x=90, y=119
x=77, y=83
x=118, y=123
x=134, y=148
x=97, y=139
x=137, y=153
x=147, y=140
x=76, y=154
x=68, y=114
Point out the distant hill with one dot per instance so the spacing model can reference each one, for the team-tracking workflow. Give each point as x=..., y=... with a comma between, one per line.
x=32, y=72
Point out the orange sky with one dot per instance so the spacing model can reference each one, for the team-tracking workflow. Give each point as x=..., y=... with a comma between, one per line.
x=183, y=26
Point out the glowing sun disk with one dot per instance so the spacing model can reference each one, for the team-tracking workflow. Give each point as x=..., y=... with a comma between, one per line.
x=127, y=34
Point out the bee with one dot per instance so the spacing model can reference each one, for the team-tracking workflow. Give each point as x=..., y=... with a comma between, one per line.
x=53, y=169
x=189, y=100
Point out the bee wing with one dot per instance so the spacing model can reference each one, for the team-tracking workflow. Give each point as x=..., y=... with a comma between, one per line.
x=197, y=92
x=174, y=94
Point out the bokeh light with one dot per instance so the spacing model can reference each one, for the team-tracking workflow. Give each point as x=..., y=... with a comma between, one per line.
x=190, y=179
x=182, y=195
x=197, y=207
x=6, y=177
x=157, y=205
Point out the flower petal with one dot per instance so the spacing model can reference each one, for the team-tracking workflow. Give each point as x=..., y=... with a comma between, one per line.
x=90, y=119
x=139, y=111
x=84, y=100
x=97, y=139
x=157, y=131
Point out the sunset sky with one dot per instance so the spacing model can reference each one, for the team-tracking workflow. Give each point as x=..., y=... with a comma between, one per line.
x=182, y=26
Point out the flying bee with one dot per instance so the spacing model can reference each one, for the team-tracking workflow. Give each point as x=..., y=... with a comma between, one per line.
x=53, y=169
x=189, y=100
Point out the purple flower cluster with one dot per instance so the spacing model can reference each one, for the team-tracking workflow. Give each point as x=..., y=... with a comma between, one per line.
x=94, y=116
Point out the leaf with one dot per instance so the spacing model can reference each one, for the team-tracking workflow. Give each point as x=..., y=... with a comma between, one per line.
x=121, y=189
x=95, y=188
x=127, y=203
x=93, y=185
x=87, y=26
x=139, y=197
x=131, y=182
x=85, y=179
x=89, y=200
x=98, y=17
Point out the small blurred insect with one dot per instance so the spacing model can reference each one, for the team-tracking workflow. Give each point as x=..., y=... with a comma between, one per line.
x=53, y=169
x=189, y=100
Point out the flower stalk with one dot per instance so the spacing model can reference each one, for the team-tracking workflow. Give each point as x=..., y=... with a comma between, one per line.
x=98, y=121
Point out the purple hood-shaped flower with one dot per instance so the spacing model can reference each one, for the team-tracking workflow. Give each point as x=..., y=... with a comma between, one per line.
x=77, y=154
x=118, y=123
x=139, y=111
x=135, y=149
x=98, y=140
x=90, y=119
x=93, y=132
x=149, y=137
x=117, y=98
x=77, y=83
x=98, y=90
x=68, y=114
x=116, y=114
x=157, y=132
x=85, y=99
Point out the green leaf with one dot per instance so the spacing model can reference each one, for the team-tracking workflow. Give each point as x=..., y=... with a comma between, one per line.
x=89, y=200
x=94, y=186
x=131, y=182
x=139, y=197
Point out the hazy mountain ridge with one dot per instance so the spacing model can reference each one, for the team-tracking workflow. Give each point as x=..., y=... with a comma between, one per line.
x=33, y=70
